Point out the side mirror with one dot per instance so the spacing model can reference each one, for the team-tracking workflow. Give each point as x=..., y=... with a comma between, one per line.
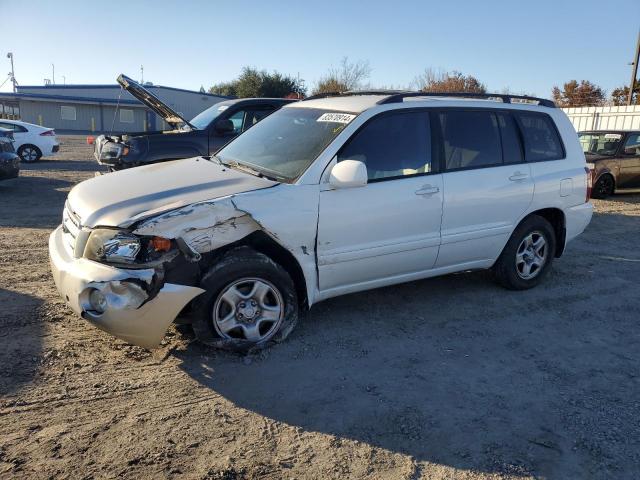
x=348, y=174
x=224, y=127
x=633, y=150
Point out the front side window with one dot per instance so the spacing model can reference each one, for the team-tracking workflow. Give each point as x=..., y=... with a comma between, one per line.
x=286, y=142
x=471, y=139
x=392, y=145
x=541, y=141
x=632, y=145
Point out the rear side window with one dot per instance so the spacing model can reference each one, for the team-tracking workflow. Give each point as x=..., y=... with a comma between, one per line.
x=541, y=140
x=392, y=145
x=511, y=146
x=471, y=139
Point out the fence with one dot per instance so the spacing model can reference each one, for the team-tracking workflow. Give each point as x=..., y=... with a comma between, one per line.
x=605, y=118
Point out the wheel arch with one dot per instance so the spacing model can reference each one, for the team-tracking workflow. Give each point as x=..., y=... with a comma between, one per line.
x=556, y=218
x=263, y=243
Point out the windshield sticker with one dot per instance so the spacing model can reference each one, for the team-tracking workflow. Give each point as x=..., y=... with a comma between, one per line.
x=615, y=136
x=336, y=117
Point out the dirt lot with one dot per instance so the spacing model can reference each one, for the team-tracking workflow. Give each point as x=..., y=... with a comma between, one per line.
x=443, y=378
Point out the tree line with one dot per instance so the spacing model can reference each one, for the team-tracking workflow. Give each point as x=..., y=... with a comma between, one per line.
x=353, y=75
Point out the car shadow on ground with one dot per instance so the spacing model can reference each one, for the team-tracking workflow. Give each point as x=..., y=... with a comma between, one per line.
x=457, y=371
x=21, y=332
x=33, y=201
x=62, y=165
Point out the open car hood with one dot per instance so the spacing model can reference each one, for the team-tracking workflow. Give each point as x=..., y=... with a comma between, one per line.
x=150, y=100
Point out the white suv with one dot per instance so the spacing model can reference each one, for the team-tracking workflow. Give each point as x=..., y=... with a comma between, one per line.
x=325, y=197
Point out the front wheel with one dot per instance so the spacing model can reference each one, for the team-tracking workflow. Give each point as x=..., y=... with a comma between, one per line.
x=527, y=256
x=250, y=302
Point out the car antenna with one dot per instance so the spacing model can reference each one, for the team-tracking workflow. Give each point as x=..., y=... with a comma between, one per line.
x=113, y=122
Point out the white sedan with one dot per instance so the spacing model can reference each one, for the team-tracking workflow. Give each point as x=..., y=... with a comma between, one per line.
x=32, y=141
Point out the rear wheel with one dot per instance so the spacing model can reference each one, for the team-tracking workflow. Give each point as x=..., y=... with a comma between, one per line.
x=604, y=187
x=527, y=256
x=250, y=302
x=29, y=153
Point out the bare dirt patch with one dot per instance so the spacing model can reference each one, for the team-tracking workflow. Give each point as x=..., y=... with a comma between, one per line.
x=444, y=378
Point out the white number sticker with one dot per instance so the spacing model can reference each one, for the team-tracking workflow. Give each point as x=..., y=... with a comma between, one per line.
x=336, y=117
x=613, y=136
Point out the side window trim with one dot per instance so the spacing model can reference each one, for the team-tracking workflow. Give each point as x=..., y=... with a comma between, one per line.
x=423, y=110
x=555, y=129
x=508, y=116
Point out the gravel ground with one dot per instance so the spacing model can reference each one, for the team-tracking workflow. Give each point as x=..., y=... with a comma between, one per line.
x=451, y=377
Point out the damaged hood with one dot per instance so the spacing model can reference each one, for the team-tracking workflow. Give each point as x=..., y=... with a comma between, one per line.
x=154, y=103
x=122, y=198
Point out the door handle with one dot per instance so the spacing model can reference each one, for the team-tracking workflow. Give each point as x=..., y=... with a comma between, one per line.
x=427, y=190
x=518, y=176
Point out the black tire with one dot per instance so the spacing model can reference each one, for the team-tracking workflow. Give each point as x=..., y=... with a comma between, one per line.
x=508, y=272
x=604, y=187
x=29, y=153
x=235, y=266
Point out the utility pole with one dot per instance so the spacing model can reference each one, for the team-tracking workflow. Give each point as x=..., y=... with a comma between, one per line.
x=13, y=76
x=64, y=80
x=634, y=75
x=142, y=74
x=53, y=74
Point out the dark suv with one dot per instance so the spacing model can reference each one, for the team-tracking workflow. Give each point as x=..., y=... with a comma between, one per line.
x=202, y=135
x=616, y=157
x=9, y=161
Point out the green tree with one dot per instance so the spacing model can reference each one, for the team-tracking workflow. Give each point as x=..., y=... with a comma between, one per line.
x=574, y=94
x=620, y=95
x=259, y=83
x=448, y=82
x=347, y=76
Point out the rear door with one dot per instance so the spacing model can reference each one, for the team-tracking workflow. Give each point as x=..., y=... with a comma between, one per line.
x=487, y=184
x=388, y=230
x=629, y=175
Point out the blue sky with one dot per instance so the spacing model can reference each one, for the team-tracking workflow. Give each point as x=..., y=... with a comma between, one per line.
x=526, y=46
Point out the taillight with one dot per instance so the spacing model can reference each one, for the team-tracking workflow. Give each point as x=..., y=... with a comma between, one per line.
x=590, y=169
x=48, y=133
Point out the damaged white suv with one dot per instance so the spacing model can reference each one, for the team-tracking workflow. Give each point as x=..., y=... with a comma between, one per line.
x=325, y=197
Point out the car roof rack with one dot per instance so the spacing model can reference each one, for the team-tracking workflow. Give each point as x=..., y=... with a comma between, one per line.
x=355, y=92
x=506, y=98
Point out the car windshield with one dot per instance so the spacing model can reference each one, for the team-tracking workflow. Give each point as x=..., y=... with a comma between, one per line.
x=286, y=142
x=204, y=119
x=600, y=143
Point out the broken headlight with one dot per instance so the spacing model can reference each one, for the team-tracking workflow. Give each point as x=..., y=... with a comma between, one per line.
x=112, y=151
x=112, y=246
x=122, y=247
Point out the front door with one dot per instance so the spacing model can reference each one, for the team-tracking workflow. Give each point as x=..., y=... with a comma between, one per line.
x=389, y=229
x=629, y=175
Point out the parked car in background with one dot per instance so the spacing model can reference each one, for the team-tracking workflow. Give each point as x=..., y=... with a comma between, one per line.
x=615, y=155
x=324, y=197
x=32, y=141
x=202, y=135
x=9, y=161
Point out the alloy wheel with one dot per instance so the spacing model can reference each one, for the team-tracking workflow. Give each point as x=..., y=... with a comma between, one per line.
x=531, y=255
x=249, y=309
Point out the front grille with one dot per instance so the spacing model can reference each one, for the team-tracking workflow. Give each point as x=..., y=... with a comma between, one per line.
x=70, y=227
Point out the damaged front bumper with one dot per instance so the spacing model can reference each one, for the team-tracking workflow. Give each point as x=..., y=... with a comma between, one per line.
x=130, y=313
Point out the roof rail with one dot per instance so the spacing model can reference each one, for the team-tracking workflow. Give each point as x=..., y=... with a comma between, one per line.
x=506, y=98
x=356, y=92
